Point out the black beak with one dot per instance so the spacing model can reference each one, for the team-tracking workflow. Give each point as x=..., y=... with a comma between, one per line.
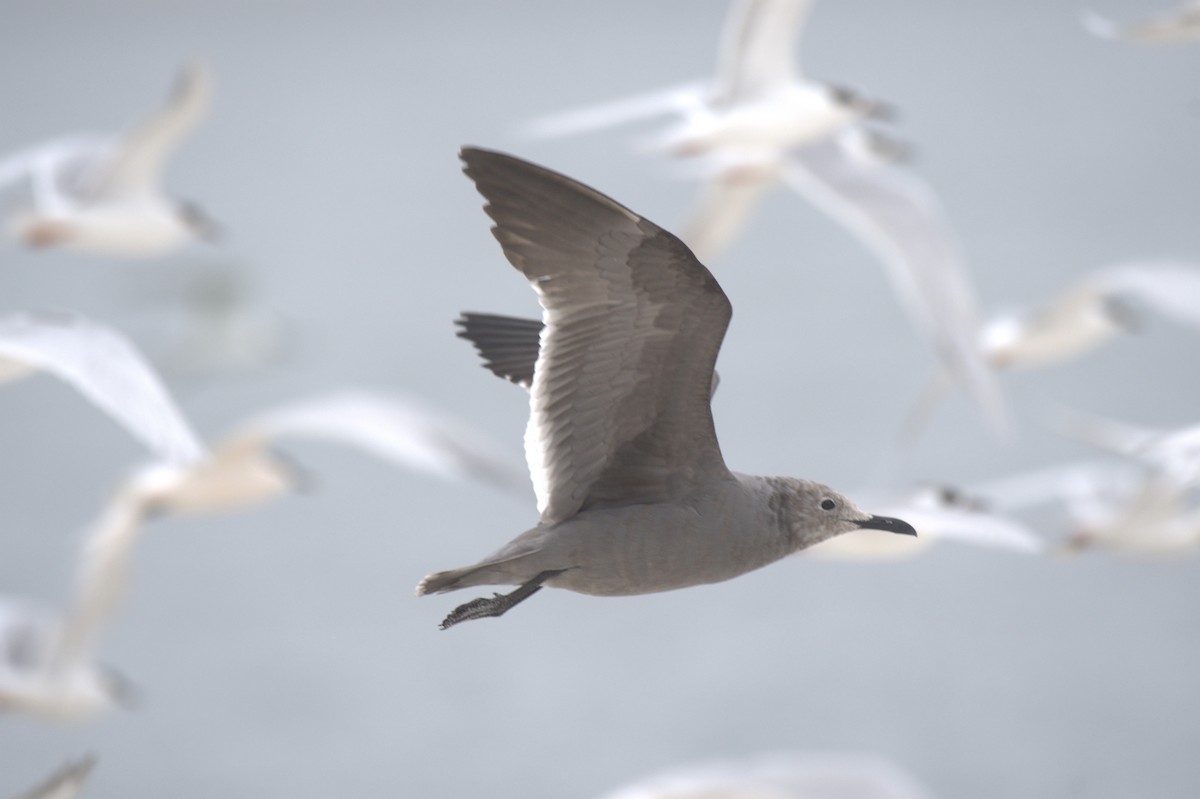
x=888, y=524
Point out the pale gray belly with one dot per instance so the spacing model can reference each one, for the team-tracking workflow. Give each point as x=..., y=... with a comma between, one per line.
x=620, y=553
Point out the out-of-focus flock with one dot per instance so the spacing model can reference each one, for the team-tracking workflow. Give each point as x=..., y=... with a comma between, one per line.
x=757, y=124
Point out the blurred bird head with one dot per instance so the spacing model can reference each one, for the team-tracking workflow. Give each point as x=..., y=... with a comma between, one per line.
x=862, y=105
x=197, y=220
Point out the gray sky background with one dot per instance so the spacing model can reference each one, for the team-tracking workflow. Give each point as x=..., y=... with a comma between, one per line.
x=281, y=652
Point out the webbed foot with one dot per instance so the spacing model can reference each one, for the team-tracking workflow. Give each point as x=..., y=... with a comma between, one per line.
x=497, y=604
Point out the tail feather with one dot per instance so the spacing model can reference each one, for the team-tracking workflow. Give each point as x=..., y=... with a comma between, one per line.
x=441, y=582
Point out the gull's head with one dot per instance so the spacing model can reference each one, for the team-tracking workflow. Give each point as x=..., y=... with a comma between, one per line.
x=815, y=513
x=198, y=222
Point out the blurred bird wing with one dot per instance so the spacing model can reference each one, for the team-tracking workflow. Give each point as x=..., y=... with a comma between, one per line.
x=675, y=100
x=106, y=368
x=620, y=407
x=1109, y=435
x=1173, y=454
x=1181, y=24
x=57, y=170
x=758, y=48
x=397, y=429
x=103, y=573
x=109, y=371
x=728, y=199
x=1171, y=288
x=66, y=783
x=973, y=527
x=1052, y=484
x=136, y=165
x=26, y=637
x=844, y=775
x=900, y=219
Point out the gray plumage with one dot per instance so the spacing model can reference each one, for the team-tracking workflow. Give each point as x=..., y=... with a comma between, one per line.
x=633, y=492
x=507, y=344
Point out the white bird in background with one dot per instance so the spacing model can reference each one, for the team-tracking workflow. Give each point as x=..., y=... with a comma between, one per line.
x=1172, y=454
x=832, y=775
x=1122, y=507
x=102, y=194
x=1100, y=307
x=1181, y=24
x=66, y=783
x=762, y=123
x=758, y=101
x=47, y=663
x=1142, y=513
x=1094, y=311
x=107, y=369
x=242, y=469
x=939, y=513
x=48, y=667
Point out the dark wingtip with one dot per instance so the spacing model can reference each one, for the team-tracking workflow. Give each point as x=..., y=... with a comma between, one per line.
x=888, y=524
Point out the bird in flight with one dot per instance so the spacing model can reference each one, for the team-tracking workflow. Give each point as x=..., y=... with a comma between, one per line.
x=634, y=495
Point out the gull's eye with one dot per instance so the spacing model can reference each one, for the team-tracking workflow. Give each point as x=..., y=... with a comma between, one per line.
x=828, y=504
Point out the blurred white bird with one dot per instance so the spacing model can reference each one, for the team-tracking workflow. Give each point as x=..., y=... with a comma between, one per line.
x=101, y=194
x=66, y=783
x=1145, y=514
x=939, y=513
x=833, y=775
x=1181, y=24
x=48, y=666
x=758, y=101
x=1123, y=507
x=1103, y=305
x=1172, y=454
x=106, y=368
x=242, y=469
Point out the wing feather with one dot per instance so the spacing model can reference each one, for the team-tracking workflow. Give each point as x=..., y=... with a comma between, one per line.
x=633, y=323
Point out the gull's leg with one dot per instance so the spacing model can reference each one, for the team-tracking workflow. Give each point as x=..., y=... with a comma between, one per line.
x=497, y=604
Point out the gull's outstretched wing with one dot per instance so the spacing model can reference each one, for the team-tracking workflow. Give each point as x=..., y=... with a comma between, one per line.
x=832, y=775
x=675, y=100
x=104, y=561
x=106, y=368
x=508, y=345
x=620, y=395
x=900, y=219
x=397, y=429
x=758, y=48
x=137, y=162
x=1170, y=27
x=66, y=783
